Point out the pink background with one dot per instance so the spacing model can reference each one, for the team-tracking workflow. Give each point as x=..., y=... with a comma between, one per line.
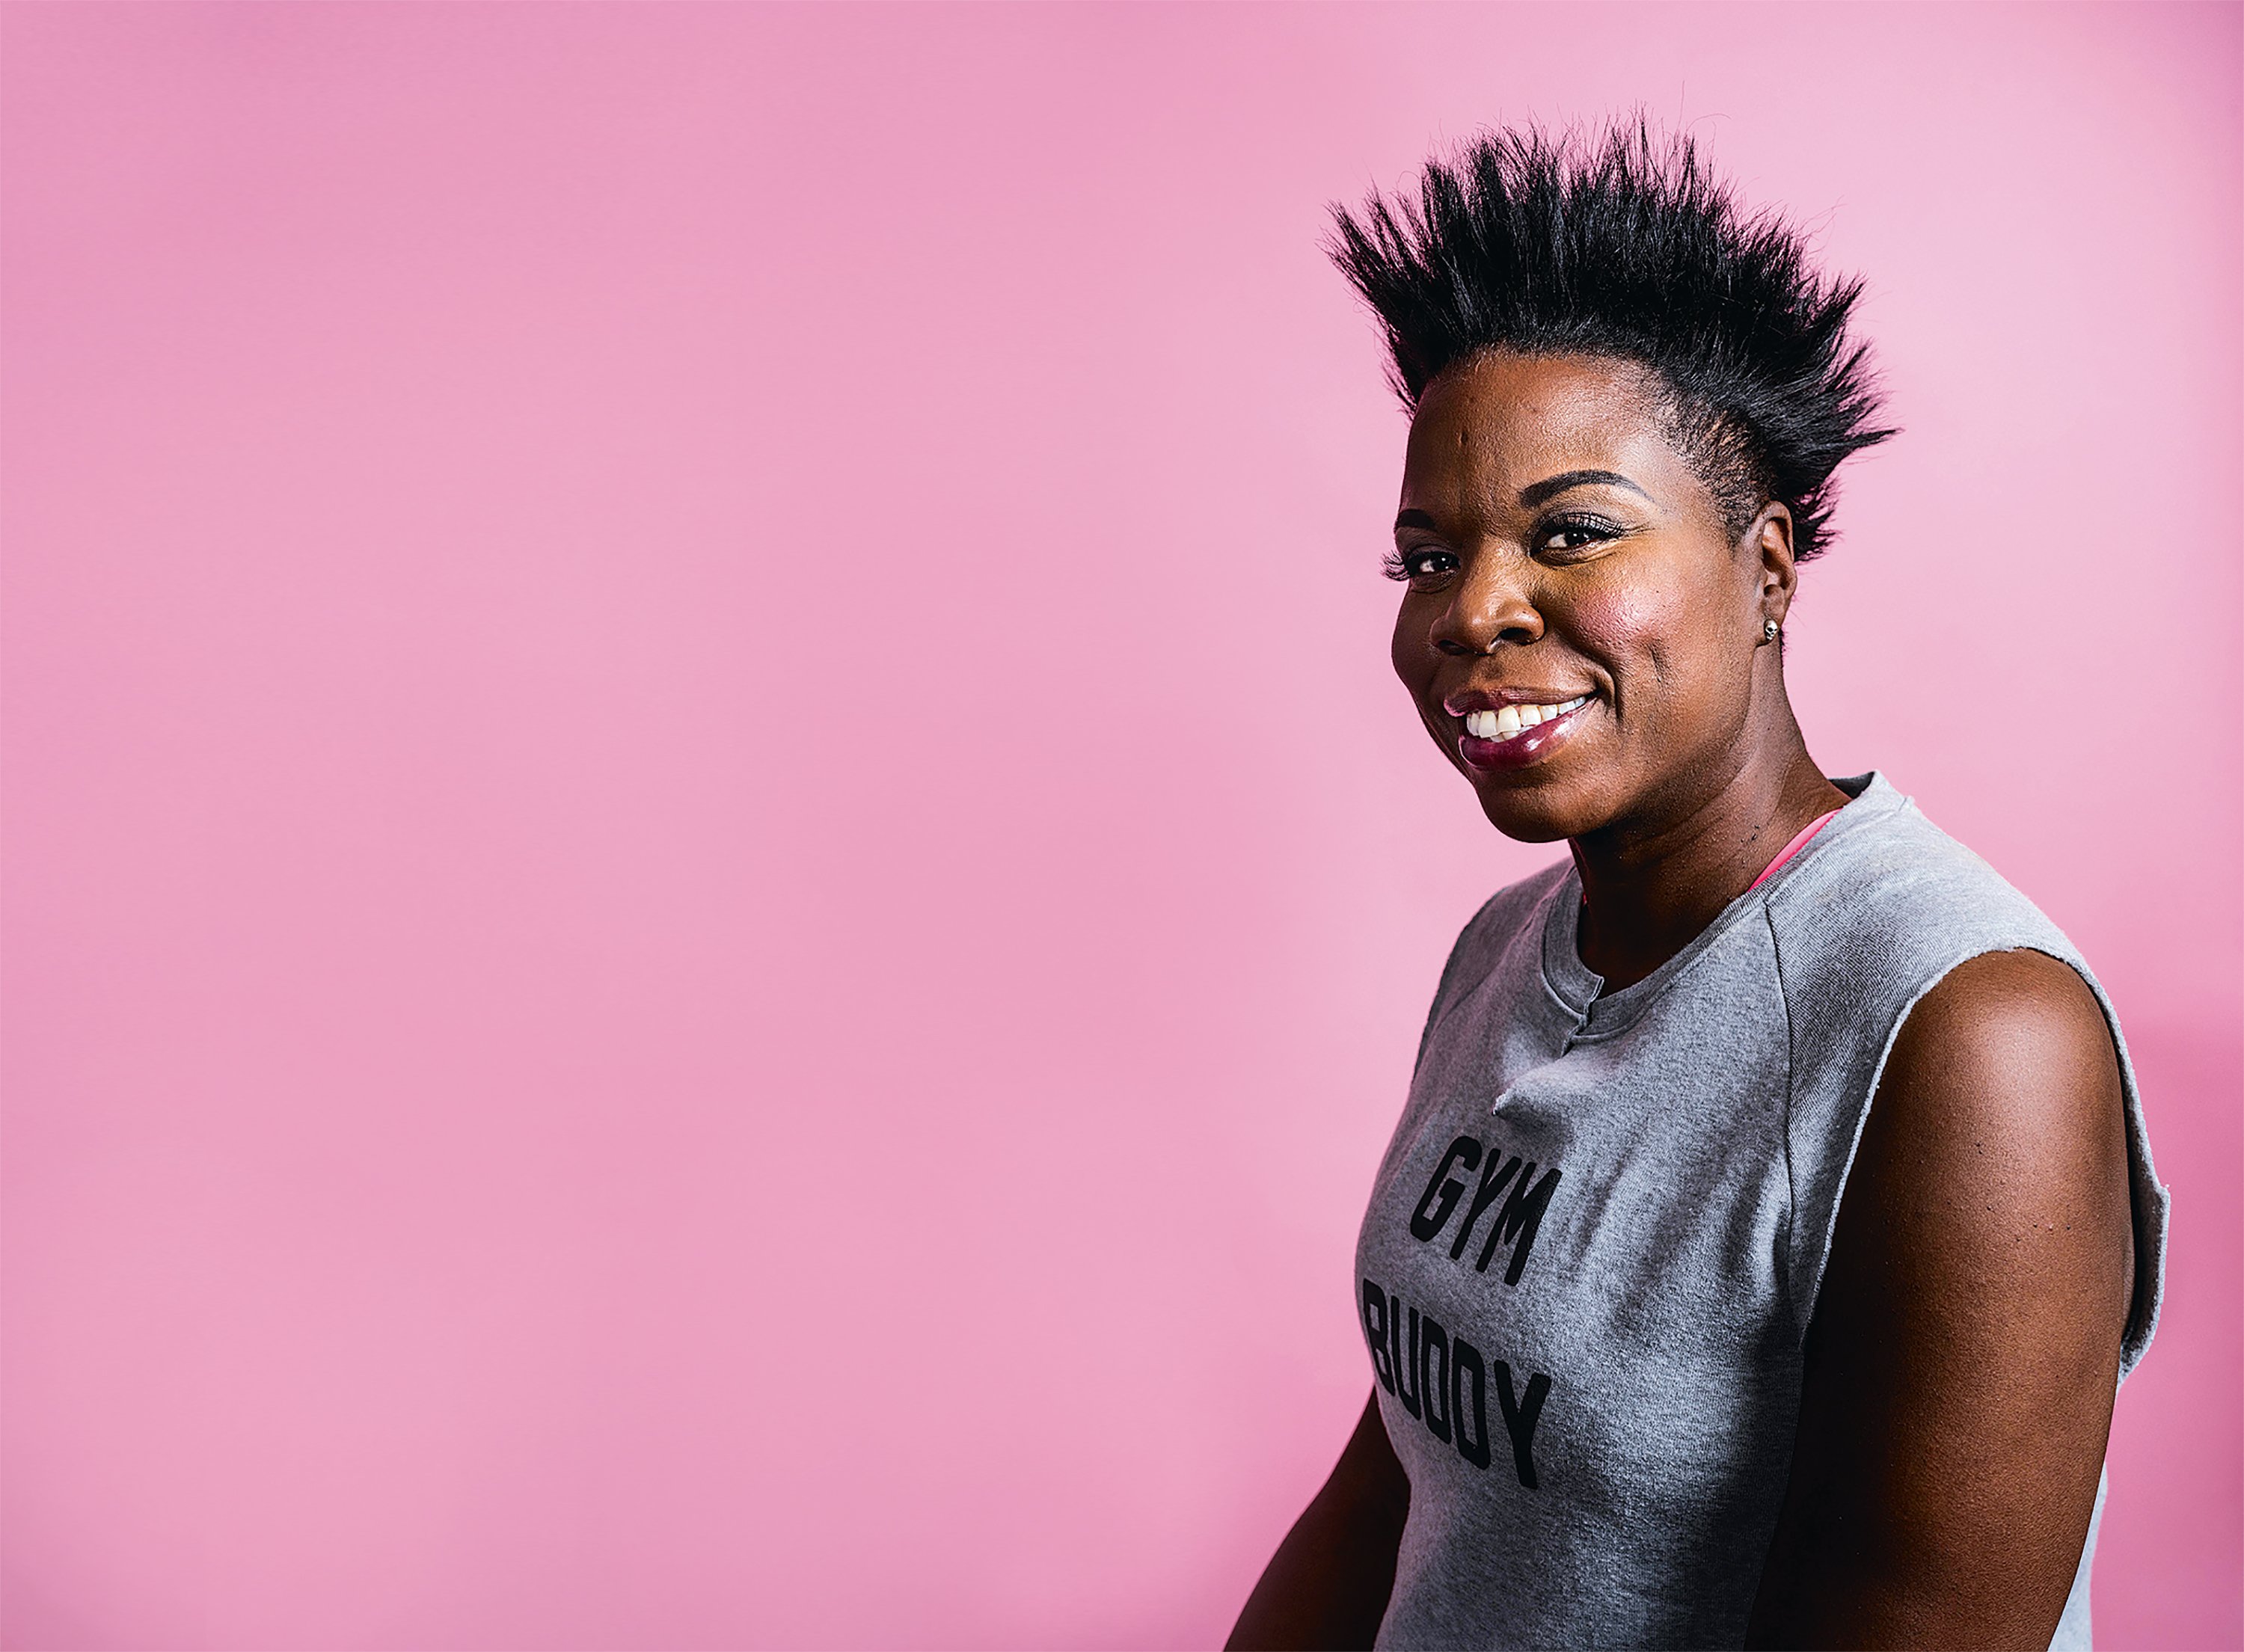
x=714, y=898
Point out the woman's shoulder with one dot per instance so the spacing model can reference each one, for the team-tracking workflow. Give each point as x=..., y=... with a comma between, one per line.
x=1885, y=892
x=1513, y=907
x=1892, y=921
x=1880, y=908
x=1511, y=915
x=1509, y=919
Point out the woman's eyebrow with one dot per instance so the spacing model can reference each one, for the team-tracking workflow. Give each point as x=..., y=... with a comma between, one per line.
x=1415, y=519
x=1535, y=492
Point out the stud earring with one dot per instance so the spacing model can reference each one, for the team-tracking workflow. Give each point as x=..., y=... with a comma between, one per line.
x=1768, y=630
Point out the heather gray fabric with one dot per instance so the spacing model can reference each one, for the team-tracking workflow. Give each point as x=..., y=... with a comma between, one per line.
x=1596, y=1239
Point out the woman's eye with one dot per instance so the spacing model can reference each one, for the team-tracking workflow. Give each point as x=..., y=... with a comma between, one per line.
x=1420, y=566
x=1575, y=535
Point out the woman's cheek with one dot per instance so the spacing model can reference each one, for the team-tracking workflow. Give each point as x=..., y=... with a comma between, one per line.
x=1415, y=664
x=1412, y=649
x=1625, y=627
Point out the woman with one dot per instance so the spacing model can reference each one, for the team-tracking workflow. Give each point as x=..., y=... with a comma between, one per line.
x=1770, y=1221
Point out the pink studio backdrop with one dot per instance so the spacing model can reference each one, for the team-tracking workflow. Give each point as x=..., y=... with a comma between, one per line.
x=714, y=898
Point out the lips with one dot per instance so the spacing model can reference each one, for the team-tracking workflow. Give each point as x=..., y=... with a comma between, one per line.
x=1510, y=731
x=1510, y=722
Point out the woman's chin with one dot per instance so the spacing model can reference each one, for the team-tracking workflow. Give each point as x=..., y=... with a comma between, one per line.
x=1534, y=813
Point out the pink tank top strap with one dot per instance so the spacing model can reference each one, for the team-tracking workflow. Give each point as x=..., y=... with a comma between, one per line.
x=1792, y=848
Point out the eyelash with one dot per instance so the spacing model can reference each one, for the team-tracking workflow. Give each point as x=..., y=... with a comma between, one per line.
x=1397, y=563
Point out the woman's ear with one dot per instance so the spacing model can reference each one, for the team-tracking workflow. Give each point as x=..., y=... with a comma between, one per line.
x=1769, y=539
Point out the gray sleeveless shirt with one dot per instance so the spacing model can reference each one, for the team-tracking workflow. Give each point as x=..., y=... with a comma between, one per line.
x=1596, y=1239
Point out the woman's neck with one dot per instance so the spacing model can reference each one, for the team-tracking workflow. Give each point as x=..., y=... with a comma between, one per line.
x=1649, y=889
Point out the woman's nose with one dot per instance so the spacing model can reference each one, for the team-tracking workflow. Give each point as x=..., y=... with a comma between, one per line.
x=1489, y=606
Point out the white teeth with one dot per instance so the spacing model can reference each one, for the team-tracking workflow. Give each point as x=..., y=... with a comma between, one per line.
x=1507, y=721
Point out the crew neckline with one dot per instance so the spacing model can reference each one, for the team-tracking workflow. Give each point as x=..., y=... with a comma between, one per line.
x=1580, y=989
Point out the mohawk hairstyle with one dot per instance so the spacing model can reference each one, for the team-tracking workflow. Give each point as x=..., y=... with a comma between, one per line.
x=1621, y=247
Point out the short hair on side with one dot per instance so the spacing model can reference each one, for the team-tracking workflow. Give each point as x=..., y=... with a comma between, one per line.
x=1622, y=247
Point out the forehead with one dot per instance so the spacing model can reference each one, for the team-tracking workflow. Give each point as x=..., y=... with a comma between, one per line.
x=1498, y=422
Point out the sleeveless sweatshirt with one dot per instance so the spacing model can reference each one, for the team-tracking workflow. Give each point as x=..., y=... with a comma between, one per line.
x=1595, y=1241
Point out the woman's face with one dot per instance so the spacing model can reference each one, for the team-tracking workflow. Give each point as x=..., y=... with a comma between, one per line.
x=1581, y=633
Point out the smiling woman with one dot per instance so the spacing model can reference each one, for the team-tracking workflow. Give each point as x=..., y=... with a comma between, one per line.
x=1822, y=1140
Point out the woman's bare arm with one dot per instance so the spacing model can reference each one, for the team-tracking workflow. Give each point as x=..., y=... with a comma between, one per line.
x=1966, y=1347
x=1327, y=1586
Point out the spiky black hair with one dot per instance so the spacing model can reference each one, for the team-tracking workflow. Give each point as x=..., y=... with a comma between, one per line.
x=1621, y=246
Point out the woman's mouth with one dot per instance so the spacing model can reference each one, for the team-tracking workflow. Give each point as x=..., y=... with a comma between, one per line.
x=1510, y=735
